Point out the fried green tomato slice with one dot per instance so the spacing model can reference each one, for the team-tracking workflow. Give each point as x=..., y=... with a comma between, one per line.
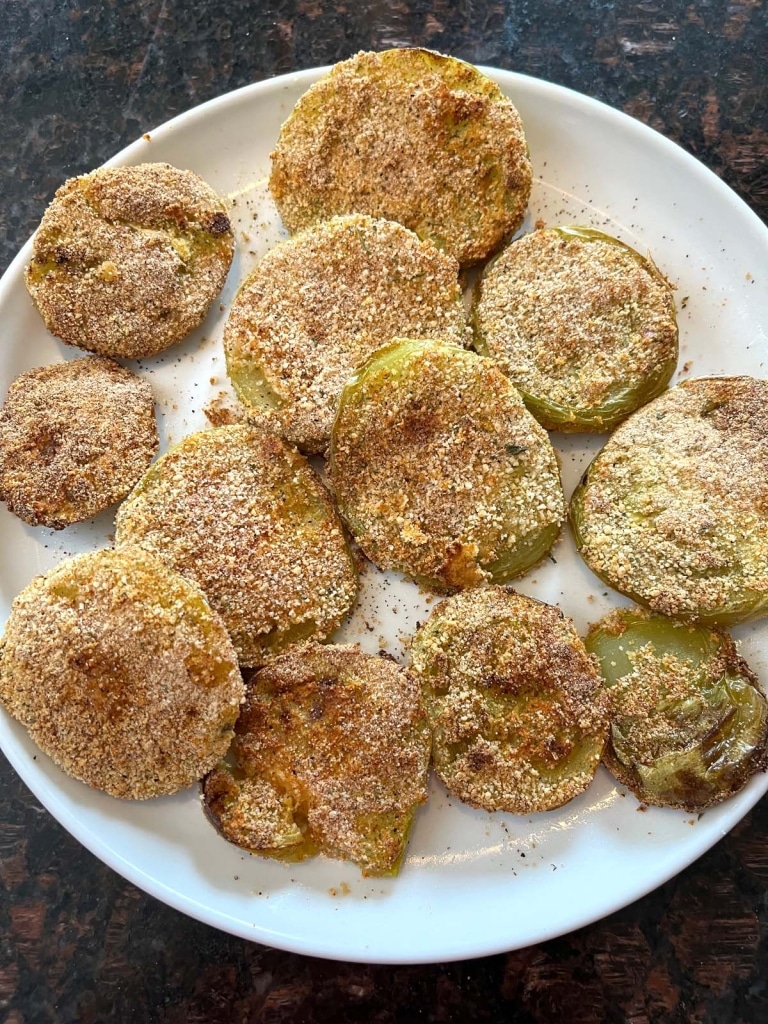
x=516, y=706
x=439, y=469
x=583, y=325
x=127, y=260
x=689, y=725
x=330, y=756
x=245, y=516
x=122, y=673
x=672, y=511
x=322, y=302
x=412, y=136
x=74, y=439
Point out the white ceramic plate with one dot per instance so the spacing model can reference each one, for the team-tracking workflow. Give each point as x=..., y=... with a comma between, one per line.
x=472, y=883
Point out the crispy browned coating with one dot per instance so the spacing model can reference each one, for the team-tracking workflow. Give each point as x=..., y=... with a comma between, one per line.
x=244, y=515
x=320, y=303
x=74, y=439
x=122, y=673
x=331, y=756
x=439, y=469
x=674, y=510
x=516, y=706
x=412, y=136
x=575, y=319
x=127, y=260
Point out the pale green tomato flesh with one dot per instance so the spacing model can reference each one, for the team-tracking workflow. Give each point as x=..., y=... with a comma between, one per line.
x=528, y=552
x=620, y=402
x=717, y=760
x=250, y=384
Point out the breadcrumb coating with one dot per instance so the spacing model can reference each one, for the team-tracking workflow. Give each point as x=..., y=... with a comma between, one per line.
x=440, y=470
x=323, y=301
x=127, y=260
x=581, y=323
x=245, y=516
x=689, y=723
x=412, y=136
x=122, y=673
x=517, y=709
x=74, y=439
x=331, y=756
x=672, y=511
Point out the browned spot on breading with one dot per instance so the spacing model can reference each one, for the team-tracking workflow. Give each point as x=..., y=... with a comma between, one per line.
x=219, y=224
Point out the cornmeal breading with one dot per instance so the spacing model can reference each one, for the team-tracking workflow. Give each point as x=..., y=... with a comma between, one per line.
x=127, y=260
x=74, y=439
x=412, y=136
x=440, y=470
x=689, y=724
x=122, y=673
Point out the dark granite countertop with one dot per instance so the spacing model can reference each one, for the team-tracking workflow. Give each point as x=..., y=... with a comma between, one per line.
x=79, y=81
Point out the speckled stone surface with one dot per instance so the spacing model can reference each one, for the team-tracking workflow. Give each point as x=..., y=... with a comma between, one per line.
x=77, y=943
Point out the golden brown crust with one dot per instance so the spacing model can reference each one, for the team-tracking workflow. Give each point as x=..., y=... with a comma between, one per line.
x=74, y=439
x=674, y=510
x=518, y=712
x=575, y=318
x=412, y=136
x=320, y=303
x=439, y=469
x=127, y=260
x=331, y=756
x=244, y=515
x=122, y=673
